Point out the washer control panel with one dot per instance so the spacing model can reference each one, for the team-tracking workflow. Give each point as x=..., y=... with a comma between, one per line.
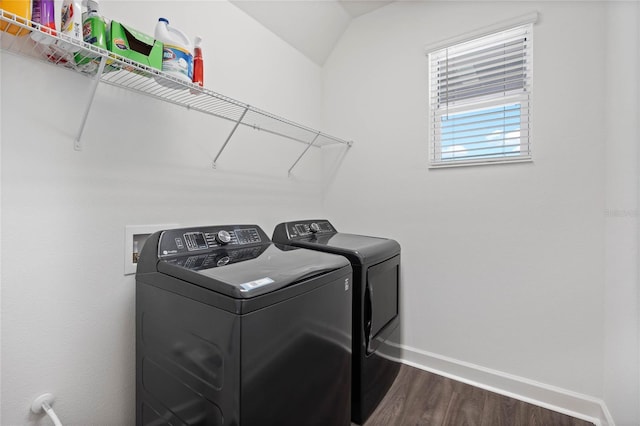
x=308, y=228
x=218, y=258
x=189, y=240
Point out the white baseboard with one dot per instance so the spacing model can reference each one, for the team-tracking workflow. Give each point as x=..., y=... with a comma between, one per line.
x=564, y=401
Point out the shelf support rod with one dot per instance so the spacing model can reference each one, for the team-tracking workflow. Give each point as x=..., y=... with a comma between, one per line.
x=304, y=152
x=224, y=145
x=77, y=145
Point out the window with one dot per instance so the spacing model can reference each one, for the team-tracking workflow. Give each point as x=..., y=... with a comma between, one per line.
x=480, y=99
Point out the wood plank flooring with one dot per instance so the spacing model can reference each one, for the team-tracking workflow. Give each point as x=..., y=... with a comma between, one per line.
x=420, y=398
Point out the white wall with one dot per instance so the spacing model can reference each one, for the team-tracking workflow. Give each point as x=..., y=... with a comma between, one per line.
x=509, y=268
x=504, y=267
x=622, y=333
x=67, y=309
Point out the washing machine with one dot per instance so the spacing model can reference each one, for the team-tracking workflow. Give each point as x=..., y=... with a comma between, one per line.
x=233, y=330
x=376, y=309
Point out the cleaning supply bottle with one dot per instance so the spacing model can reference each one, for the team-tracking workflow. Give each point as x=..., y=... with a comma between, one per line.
x=44, y=14
x=22, y=9
x=198, y=65
x=71, y=24
x=94, y=28
x=177, y=59
x=94, y=32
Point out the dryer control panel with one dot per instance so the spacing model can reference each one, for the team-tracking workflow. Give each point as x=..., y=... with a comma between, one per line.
x=189, y=240
x=305, y=228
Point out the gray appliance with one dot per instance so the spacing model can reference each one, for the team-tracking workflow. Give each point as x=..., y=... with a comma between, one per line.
x=233, y=330
x=376, y=308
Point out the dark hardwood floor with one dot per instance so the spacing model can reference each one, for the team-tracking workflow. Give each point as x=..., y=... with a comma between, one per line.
x=418, y=397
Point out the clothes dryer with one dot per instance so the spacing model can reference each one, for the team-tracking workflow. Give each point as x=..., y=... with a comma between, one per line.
x=233, y=330
x=376, y=307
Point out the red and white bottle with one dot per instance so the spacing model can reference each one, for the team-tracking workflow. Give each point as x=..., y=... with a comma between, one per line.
x=198, y=65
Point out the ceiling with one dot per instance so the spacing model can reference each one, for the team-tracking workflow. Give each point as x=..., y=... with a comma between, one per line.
x=311, y=26
x=356, y=8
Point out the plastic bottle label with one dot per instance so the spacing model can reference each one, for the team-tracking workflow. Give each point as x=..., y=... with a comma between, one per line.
x=177, y=60
x=68, y=22
x=35, y=12
x=87, y=33
x=93, y=32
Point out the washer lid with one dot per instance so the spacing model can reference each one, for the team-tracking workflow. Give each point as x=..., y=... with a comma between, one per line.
x=247, y=272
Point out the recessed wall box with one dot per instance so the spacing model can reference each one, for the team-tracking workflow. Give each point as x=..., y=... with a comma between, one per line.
x=134, y=239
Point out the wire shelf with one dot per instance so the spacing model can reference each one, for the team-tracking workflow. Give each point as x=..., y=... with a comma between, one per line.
x=107, y=67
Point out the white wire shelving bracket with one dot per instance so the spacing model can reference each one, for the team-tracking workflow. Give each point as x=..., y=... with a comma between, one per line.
x=112, y=69
x=94, y=86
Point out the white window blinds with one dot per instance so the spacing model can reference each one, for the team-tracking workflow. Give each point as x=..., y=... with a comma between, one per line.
x=480, y=96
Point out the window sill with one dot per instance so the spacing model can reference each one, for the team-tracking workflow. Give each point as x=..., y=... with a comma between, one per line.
x=453, y=163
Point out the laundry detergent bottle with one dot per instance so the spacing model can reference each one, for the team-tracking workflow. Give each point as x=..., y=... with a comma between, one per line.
x=44, y=14
x=22, y=9
x=71, y=24
x=177, y=59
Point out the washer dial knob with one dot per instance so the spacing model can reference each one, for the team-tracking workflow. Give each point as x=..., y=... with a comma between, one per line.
x=223, y=237
x=314, y=227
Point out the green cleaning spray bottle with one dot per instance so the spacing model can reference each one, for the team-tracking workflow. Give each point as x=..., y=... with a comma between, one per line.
x=94, y=32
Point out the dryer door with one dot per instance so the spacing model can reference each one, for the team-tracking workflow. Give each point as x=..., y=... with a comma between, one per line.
x=381, y=304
